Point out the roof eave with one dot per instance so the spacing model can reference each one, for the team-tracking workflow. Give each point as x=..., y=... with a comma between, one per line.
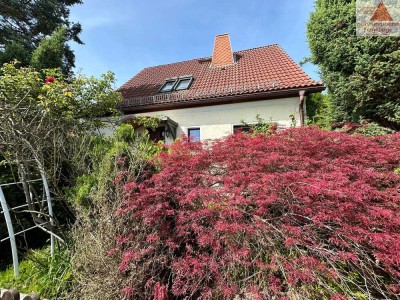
x=275, y=94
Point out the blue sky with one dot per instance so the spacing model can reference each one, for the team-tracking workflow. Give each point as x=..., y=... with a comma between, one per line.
x=126, y=36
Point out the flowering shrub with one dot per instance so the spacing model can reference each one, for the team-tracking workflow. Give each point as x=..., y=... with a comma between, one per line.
x=303, y=214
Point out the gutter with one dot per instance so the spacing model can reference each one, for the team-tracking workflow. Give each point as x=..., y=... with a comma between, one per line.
x=301, y=107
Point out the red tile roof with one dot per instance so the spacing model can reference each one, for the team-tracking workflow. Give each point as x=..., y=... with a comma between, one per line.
x=263, y=70
x=222, y=54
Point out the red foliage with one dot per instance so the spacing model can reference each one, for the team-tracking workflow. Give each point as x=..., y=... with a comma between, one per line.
x=160, y=292
x=262, y=215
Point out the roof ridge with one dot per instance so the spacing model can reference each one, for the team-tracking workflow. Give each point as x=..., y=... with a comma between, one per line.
x=210, y=57
x=266, y=46
x=178, y=62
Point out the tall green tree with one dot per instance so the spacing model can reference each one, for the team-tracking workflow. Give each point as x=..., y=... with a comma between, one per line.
x=51, y=52
x=362, y=73
x=24, y=24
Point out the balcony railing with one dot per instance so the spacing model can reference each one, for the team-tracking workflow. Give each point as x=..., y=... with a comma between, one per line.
x=226, y=90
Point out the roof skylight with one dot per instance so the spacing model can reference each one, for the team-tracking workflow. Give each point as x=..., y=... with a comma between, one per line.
x=168, y=86
x=177, y=84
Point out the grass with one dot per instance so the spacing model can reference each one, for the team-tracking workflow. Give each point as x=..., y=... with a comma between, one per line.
x=50, y=277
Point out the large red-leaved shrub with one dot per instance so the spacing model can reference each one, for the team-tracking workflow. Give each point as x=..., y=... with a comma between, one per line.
x=303, y=214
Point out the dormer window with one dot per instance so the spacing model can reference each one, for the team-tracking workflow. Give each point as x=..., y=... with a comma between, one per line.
x=176, y=84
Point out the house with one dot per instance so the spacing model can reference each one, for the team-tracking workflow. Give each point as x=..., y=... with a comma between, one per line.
x=211, y=97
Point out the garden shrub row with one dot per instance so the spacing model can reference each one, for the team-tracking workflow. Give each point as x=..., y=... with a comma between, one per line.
x=303, y=214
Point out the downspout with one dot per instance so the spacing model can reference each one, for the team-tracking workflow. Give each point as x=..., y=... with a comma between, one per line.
x=301, y=107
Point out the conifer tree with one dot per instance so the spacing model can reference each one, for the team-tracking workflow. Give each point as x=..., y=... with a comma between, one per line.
x=24, y=24
x=362, y=74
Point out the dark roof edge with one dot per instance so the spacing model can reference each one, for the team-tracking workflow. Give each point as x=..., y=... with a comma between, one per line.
x=222, y=100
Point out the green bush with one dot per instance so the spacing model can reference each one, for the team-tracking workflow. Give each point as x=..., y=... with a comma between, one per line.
x=362, y=74
x=319, y=110
x=262, y=126
x=105, y=156
x=97, y=196
x=373, y=129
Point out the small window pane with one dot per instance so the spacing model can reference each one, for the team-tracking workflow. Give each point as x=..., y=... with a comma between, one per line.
x=242, y=128
x=167, y=86
x=157, y=135
x=194, y=134
x=183, y=84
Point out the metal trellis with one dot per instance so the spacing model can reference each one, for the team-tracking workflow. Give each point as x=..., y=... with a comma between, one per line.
x=10, y=228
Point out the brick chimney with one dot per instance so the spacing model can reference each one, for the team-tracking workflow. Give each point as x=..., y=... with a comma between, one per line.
x=222, y=55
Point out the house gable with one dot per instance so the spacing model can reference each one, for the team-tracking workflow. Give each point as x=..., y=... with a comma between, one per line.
x=259, y=73
x=210, y=97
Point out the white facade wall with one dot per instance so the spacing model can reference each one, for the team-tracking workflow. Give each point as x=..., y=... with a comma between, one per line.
x=217, y=121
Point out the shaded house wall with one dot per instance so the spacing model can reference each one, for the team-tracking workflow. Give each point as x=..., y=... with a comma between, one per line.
x=217, y=121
